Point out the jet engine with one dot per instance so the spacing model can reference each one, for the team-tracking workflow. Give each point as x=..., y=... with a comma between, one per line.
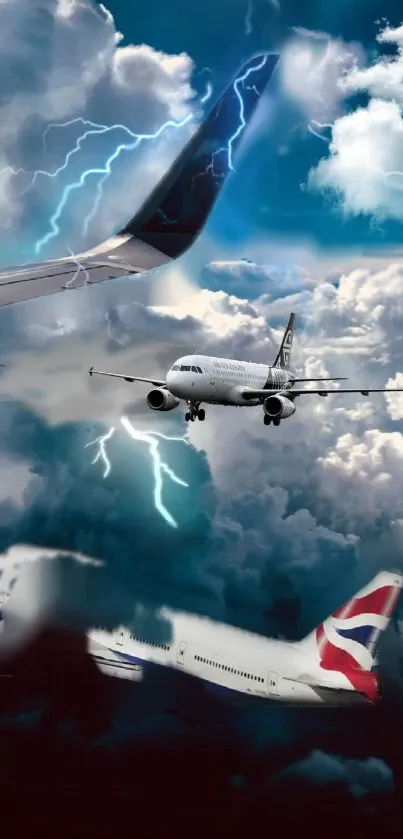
x=161, y=399
x=278, y=407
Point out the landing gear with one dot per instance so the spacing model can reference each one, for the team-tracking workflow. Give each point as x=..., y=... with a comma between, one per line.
x=195, y=413
x=267, y=420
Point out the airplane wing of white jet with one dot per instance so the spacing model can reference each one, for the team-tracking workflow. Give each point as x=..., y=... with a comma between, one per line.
x=155, y=382
x=249, y=393
x=173, y=214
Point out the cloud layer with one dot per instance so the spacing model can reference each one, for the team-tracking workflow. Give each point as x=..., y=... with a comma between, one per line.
x=363, y=171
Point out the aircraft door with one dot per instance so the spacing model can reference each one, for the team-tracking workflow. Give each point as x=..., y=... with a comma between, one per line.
x=181, y=653
x=273, y=683
x=121, y=636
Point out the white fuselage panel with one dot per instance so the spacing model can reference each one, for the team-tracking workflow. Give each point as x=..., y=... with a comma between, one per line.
x=232, y=659
x=199, y=378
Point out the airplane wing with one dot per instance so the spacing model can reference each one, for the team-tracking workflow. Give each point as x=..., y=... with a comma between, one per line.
x=174, y=213
x=155, y=382
x=331, y=379
x=248, y=393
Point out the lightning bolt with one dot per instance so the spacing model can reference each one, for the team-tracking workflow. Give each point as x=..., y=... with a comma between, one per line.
x=319, y=125
x=101, y=454
x=159, y=466
x=228, y=150
x=242, y=121
x=80, y=268
x=208, y=93
x=105, y=171
x=94, y=129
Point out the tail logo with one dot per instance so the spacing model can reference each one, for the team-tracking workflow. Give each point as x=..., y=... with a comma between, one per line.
x=287, y=348
x=346, y=641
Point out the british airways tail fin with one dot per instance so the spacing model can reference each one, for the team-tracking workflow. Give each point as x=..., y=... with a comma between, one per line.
x=175, y=212
x=346, y=641
x=284, y=354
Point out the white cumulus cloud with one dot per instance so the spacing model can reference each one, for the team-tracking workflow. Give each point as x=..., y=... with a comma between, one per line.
x=364, y=167
x=311, y=66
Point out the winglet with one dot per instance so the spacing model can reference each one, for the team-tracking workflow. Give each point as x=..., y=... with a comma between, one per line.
x=174, y=214
x=91, y=370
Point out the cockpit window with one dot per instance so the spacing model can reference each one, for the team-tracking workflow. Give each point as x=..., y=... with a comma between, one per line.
x=195, y=369
x=199, y=370
x=185, y=368
x=175, y=367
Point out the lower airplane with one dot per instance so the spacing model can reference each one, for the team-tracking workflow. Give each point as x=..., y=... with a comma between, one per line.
x=333, y=665
x=221, y=381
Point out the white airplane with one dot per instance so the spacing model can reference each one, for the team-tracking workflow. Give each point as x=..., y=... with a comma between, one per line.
x=333, y=665
x=222, y=381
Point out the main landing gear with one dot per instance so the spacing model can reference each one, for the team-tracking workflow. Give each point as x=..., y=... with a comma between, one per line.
x=195, y=412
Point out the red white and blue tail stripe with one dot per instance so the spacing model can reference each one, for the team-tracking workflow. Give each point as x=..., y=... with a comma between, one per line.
x=346, y=641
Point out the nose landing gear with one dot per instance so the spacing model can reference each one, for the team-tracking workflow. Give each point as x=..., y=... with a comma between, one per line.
x=267, y=420
x=195, y=412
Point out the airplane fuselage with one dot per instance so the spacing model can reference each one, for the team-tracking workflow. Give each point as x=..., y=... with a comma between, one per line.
x=232, y=660
x=201, y=378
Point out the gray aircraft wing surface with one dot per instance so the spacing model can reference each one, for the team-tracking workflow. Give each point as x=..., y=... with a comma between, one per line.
x=250, y=393
x=173, y=214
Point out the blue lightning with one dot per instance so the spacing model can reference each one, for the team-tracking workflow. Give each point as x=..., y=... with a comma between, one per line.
x=242, y=121
x=207, y=95
x=102, y=455
x=80, y=268
x=94, y=129
x=159, y=466
x=320, y=125
x=105, y=171
x=228, y=150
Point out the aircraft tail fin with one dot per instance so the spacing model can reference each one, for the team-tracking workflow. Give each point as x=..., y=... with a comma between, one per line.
x=173, y=215
x=346, y=641
x=284, y=354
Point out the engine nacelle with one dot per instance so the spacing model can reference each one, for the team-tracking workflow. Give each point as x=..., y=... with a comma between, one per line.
x=278, y=407
x=160, y=399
